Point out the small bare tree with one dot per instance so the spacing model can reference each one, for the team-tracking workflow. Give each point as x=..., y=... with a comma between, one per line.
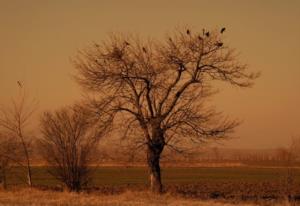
x=69, y=140
x=291, y=160
x=162, y=87
x=14, y=121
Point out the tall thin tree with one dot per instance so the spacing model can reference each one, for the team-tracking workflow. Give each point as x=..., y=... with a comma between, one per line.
x=15, y=120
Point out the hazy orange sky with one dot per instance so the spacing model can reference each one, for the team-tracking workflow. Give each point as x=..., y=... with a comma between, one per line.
x=37, y=39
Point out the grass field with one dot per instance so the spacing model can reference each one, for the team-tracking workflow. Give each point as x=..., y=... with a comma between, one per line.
x=230, y=184
x=114, y=176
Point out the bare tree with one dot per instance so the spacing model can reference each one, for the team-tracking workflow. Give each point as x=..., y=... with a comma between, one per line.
x=14, y=121
x=70, y=138
x=289, y=156
x=161, y=87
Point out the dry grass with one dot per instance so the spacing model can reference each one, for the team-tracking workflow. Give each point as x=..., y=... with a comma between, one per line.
x=34, y=197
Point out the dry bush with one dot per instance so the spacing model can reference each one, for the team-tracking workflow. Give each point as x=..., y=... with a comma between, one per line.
x=69, y=141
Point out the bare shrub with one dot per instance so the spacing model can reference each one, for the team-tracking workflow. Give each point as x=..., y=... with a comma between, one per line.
x=69, y=139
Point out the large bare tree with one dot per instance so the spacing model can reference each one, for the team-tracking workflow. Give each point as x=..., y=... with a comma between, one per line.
x=161, y=87
x=14, y=122
x=69, y=140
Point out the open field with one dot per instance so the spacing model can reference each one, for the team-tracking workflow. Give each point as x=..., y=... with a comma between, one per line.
x=118, y=176
x=232, y=184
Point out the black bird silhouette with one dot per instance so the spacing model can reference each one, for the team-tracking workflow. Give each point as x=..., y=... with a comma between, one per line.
x=200, y=38
x=126, y=43
x=188, y=32
x=219, y=44
x=144, y=50
x=20, y=84
x=207, y=34
x=222, y=30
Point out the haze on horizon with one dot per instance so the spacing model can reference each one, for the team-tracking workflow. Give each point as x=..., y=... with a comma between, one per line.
x=38, y=38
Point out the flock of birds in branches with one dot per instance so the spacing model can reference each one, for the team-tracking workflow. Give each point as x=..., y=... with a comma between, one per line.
x=188, y=32
x=118, y=53
x=207, y=34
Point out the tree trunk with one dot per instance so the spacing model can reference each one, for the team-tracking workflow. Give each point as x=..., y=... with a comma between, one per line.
x=29, y=179
x=154, y=170
x=155, y=147
x=29, y=176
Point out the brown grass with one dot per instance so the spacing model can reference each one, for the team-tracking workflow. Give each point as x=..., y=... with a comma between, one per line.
x=34, y=197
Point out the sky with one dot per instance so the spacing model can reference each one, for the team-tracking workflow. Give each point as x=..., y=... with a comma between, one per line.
x=38, y=39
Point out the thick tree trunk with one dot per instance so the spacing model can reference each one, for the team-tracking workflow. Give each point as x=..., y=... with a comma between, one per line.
x=154, y=170
x=155, y=147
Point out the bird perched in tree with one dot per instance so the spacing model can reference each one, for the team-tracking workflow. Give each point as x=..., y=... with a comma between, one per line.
x=19, y=84
x=126, y=43
x=207, y=34
x=200, y=38
x=222, y=30
x=188, y=32
x=219, y=44
x=144, y=50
